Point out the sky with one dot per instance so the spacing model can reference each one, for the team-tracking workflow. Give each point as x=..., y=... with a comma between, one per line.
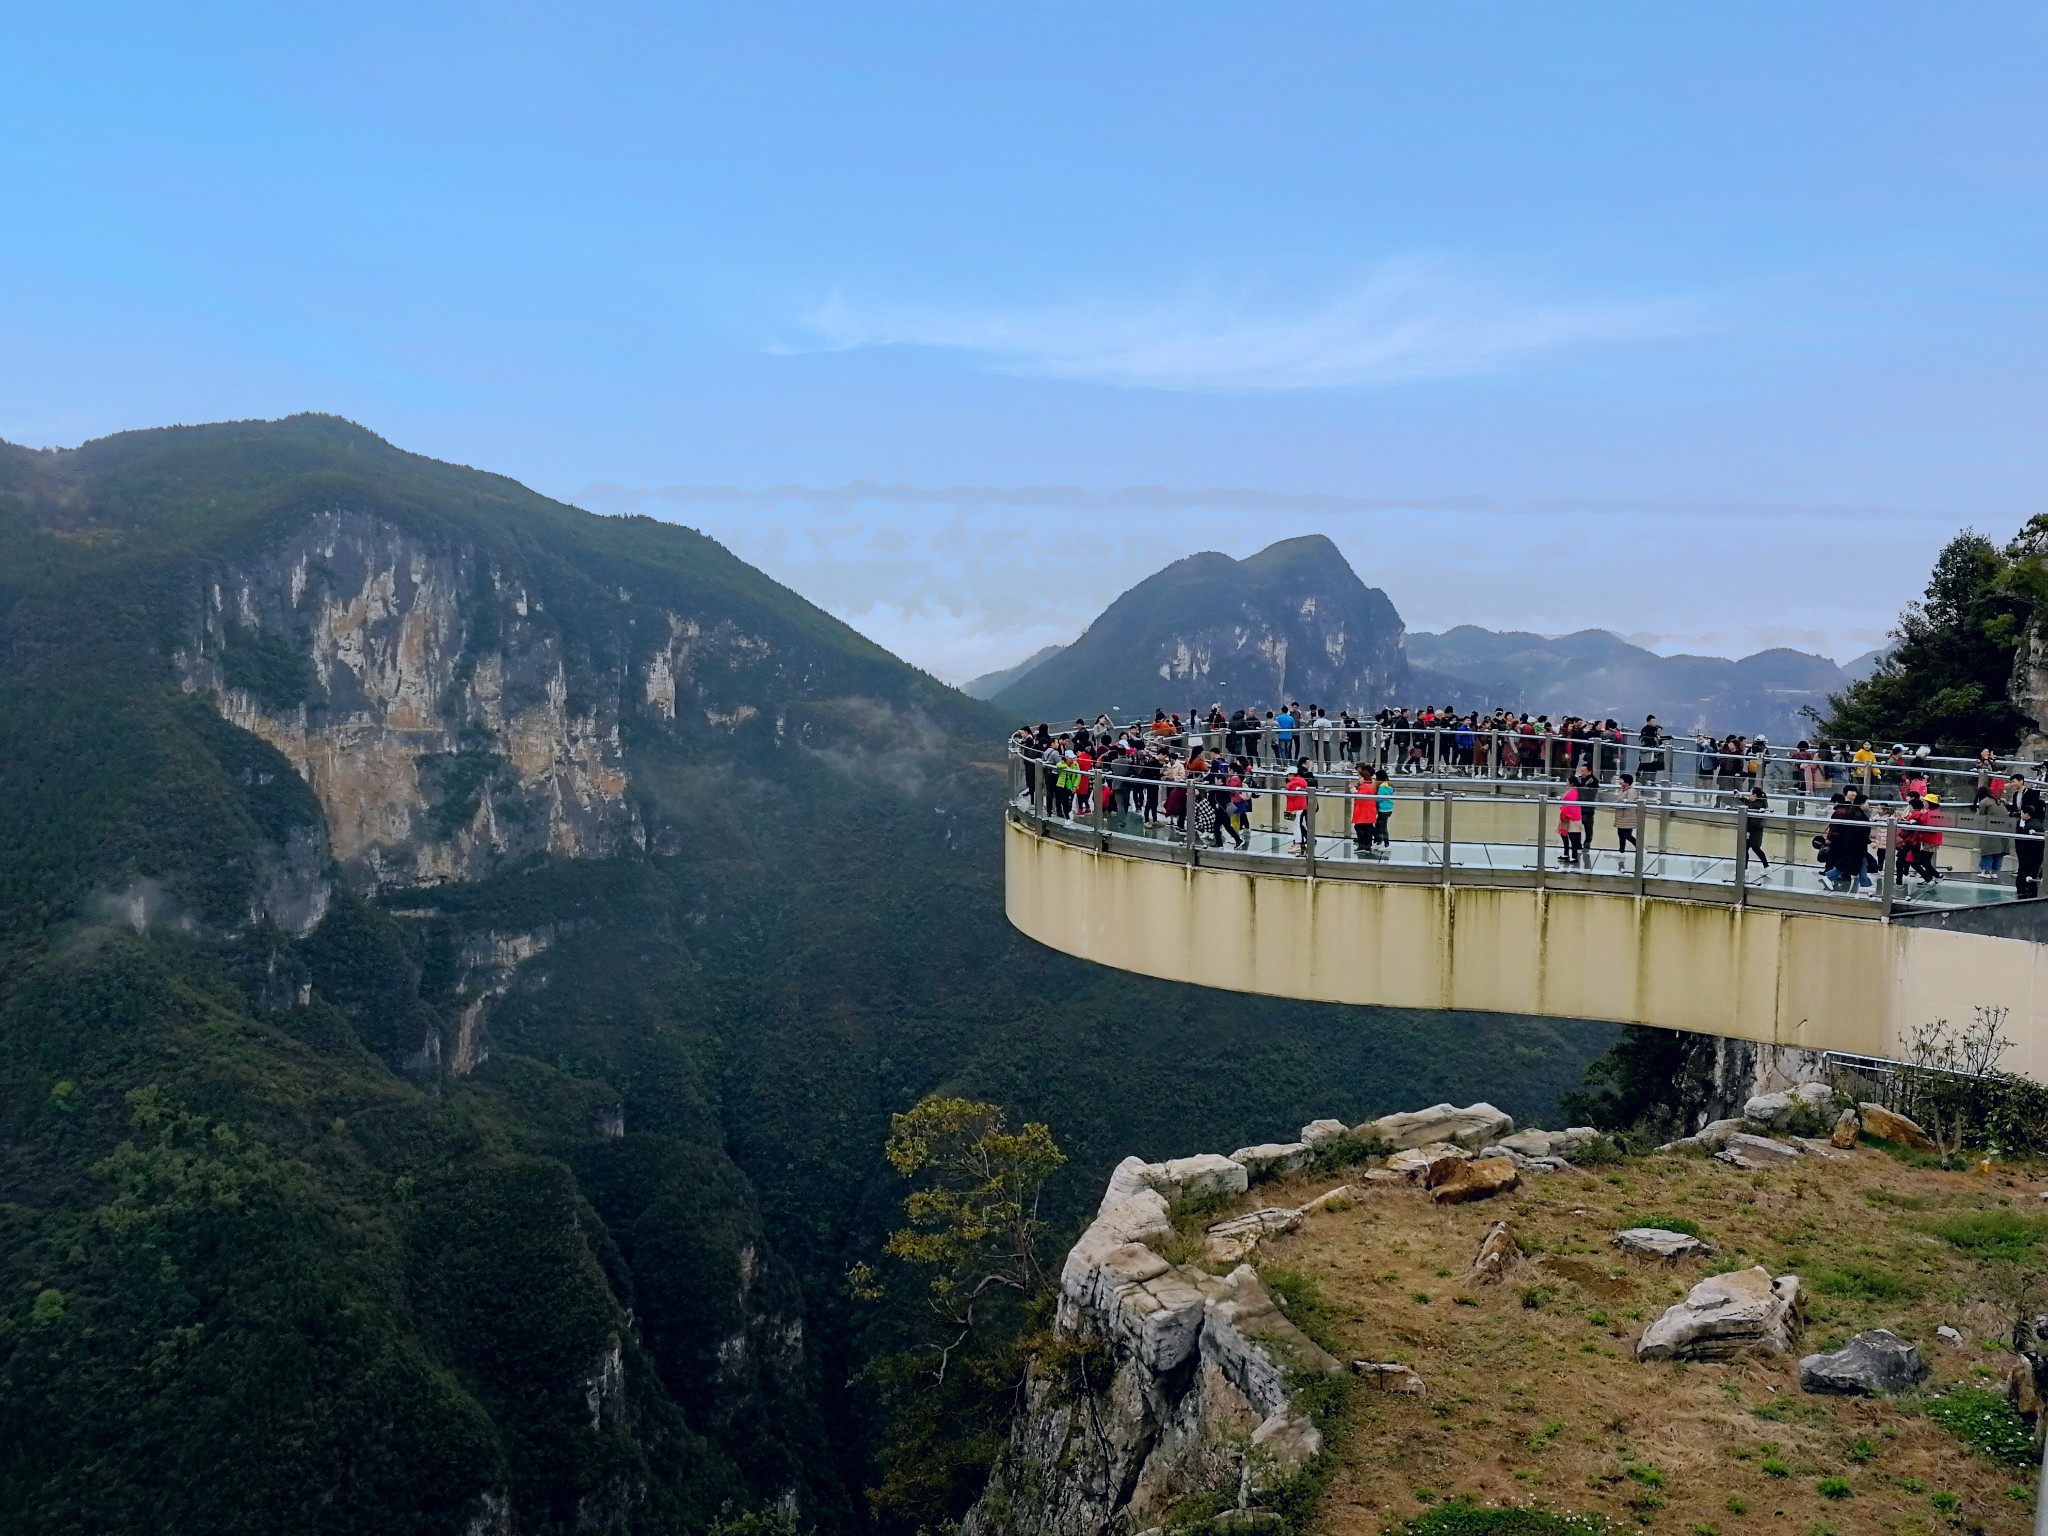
x=1704, y=324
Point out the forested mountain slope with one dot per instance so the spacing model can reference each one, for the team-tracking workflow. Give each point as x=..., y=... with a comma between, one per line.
x=458, y=956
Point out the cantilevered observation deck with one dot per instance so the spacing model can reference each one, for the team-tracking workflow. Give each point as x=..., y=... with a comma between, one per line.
x=1468, y=907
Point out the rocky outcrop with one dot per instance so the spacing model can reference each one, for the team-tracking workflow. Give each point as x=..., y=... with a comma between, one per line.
x=1727, y=1315
x=1476, y=1125
x=1877, y=1363
x=1757, y=1152
x=1810, y=1106
x=433, y=706
x=1175, y=1380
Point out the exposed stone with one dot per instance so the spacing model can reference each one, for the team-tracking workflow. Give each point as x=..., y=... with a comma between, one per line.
x=1474, y=1179
x=1421, y=1163
x=1186, y=1178
x=1846, y=1128
x=1473, y=1126
x=1889, y=1125
x=1548, y=1144
x=1542, y=1164
x=1724, y=1316
x=1498, y=1251
x=1950, y=1336
x=1316, y=1132
x=1711, y=1137
x=1388, y=1376
x=1877, y=1363
x=1659, y=1243
x=1331, y=1199
x=1229, y=1242
x=1746, y=1151
x=1808, y=1102
x=1271, y=1159
x=1383, y=1176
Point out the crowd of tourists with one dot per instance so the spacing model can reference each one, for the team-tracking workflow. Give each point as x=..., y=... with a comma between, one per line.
x=1201, y=777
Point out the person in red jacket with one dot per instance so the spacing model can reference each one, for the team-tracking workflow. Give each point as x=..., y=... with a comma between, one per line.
x=1365, y=811
x=1297, y=806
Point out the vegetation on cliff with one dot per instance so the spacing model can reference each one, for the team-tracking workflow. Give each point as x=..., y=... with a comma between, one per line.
x=273, y=1262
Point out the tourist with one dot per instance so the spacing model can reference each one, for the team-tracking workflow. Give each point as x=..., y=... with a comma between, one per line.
x=1385, y=795
x=2032, y=825
x=1650, y=757
x=1570, y=826
x=1297, y=807
x=1365, y=810
x=1628, y=814
x=1756, y=802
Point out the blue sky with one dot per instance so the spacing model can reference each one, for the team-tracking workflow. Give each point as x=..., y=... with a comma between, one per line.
x=1628, y=279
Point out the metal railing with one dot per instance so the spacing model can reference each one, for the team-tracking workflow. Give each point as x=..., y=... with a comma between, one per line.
x=1461, y=829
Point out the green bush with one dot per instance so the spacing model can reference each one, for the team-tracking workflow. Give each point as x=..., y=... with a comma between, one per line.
x=1459, y=1518
x=1994, y=1235
x=1986, y=1421
x=1864, y=1282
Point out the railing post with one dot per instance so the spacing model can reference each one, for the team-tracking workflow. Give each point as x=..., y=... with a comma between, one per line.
x=1187, y=818
x=1542, y=832
x=1493, y=759
x=1889, y=884
x=1448, y=799
x=1741, y=855
x=1641, y=818
x=1308, y=823
x=1096, y=814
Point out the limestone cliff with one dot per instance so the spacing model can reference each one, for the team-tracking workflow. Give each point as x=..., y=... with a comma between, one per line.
x=425, y=695
x=1171, y=1381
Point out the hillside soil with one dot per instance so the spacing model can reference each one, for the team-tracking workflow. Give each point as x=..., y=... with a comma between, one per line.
x=1534, y=1394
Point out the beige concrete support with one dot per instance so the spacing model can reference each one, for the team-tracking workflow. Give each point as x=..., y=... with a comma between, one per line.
x=1804, y=979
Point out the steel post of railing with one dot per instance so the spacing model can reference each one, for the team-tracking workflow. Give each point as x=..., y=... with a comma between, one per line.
x=1637, y=843
x=1542, y=832
x=1448, y=800
x=1888, y=882
x=1308, y=826
x=1101, y=786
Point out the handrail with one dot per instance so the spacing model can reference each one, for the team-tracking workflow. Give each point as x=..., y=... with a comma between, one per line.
x=1733, y=862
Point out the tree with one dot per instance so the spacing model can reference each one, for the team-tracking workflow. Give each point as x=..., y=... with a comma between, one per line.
x=1661, y=1080
x=974, y=1224
x=1948, y=677
x=1951, y=1080
x=974, y=1240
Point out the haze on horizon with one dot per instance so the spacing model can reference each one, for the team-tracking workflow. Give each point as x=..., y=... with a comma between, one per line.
x=1703, y=326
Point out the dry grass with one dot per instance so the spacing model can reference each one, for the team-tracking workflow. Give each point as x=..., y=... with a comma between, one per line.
x=1546, y=1404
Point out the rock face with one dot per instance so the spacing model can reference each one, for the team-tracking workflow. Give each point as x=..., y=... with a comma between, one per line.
x=1191, y=1394
x=1273, y=1158
x=1873, y=1364
x=423, y=694
x=1887, y=1125
x=1727, y=1315
x=1316, y=1132
x=1473, y=1126
x=1291, y=622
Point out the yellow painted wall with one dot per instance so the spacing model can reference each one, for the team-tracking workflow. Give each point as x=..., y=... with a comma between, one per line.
x=1791, y=978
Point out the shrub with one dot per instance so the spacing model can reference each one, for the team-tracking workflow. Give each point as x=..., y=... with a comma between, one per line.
x=1770, y=1466
x=1985, y=1420
x=1864, y=1282
x=1833, y=1488
x=1459, y=1518
x=1993, y=1235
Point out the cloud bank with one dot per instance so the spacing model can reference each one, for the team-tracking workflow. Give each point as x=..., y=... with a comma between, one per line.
x=1413, y=319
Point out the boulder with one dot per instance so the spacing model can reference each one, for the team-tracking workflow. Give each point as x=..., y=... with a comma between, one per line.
x=1498, y=1250
x=1473, y=1179
x=1874, y=1364
x=1387, y=1376
x=1846, y=1128
x=1542, y=1164
x=1746, y=1151
x=1420, y=1162
x=1950, y=1336
x=1228, y=1242
x=1711, y=1137
x=1808, y=1102
x=1338, y=1198
x=1727, y=1315
x=1473, y=1126
x=1888, y=1125
x=1383, y=1176
x=1271, y=1159
x=1548, y=1144
x=1659, y=1243
x=1316, y=1132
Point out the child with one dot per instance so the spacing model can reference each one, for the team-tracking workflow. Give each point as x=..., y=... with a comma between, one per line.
x=1365, y=812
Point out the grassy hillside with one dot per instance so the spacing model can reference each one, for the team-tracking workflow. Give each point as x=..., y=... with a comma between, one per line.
x=1535, y=1399
x=267, y=1270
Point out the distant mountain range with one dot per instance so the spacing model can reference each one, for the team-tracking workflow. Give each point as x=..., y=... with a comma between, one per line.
x=1295, y=622
x=1292, y=621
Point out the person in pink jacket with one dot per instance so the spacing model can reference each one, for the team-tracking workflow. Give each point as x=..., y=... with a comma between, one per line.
x=1571, y=827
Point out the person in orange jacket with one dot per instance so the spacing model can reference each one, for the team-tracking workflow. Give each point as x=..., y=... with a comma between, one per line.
x=1365, y=811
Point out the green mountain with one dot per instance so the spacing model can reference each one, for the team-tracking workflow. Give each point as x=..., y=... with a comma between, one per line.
x=1291, y=622
x=458, y=956
x=989, y=684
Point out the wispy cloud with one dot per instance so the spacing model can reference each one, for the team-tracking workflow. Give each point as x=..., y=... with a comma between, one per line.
x=1416, y=318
